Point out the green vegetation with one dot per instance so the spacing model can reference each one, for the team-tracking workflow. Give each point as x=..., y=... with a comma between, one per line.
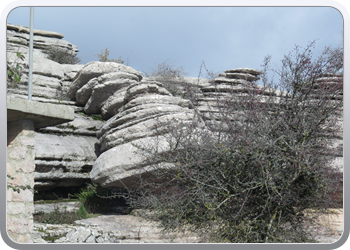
x=88, y=199
x=103, y=57
x=61, y=217
x=14, y=70
x=89, y=206
x=15, y=187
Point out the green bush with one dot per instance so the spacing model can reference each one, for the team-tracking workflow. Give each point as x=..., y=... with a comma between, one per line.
x=89, y=201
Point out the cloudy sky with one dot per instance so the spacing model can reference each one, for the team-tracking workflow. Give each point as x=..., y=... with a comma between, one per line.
x=223, y=37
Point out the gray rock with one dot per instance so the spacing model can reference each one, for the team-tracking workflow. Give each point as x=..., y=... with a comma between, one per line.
x=63, y=160
x=26, y=30
x=96, y=69
x=110, y=229
x=49, y=77
x=114, y=79
x=113, y=103
x=62, y=206
x=81, y=125
x=244, y=71
x=102, y=92
x=131, y=164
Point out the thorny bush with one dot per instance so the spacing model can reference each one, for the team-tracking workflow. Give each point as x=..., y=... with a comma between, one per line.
x=251, y=169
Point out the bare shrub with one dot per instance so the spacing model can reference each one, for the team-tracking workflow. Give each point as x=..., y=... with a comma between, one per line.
x=170, y=76
x=262, y=159
x=61, y=55
x=103, y=57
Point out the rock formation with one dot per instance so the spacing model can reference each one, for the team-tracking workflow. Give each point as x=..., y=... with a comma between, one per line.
x=145, y=104
x=130, y=106
x=64, y=154
x=117, y=111
x=50, y=79
x=133, y=107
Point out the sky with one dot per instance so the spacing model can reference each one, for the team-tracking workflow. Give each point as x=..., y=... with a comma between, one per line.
x=223, y=37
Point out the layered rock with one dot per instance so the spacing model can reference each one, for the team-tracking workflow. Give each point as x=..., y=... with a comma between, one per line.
x=64, y=154
x=235, y=82
x=143, y=106
x=133, y=106
x=50, y=79
x=146, y=105
x=94, y=85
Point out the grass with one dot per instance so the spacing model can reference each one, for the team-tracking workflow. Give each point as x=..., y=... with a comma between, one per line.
x=89, y=207
x=59, y=216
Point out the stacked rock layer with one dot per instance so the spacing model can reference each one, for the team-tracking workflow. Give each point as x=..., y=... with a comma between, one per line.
x=64, y=154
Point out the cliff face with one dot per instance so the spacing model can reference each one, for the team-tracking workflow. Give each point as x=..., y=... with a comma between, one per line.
x=116, y=110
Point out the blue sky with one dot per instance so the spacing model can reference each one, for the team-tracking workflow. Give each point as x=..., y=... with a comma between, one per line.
x=223, y=37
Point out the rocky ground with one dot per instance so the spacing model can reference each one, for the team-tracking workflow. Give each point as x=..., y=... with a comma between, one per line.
x=112, y=228
x=118, y=228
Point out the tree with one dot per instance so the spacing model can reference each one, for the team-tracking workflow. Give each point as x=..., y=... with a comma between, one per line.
x=103, y=57
x=260, y=164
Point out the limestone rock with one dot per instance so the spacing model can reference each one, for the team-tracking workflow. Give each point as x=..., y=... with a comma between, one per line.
x=96, y=69
x=146, y=105
x=104, y=84
x=50, y=79
x=63, y=160
x=64, y=153
x=238, y=76
x=110, y=229
x=42, y=40
x=26, y=30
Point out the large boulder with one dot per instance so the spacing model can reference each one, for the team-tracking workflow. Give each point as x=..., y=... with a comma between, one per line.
x=147, y=105
x=96, y=69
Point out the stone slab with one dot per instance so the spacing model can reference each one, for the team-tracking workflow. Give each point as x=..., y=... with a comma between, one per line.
x=42, y=114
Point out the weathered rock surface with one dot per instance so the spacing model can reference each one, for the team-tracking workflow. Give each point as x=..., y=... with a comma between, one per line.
x=69, y=155
x=93, y=70
x=63, y=160
x=110, y=229
x=64, y=154
x=146, y=104
x=135, y=229
x=50, y=79
x=62, y=206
